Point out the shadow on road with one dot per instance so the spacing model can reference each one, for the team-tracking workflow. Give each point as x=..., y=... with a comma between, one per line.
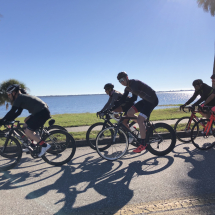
x=109, y=181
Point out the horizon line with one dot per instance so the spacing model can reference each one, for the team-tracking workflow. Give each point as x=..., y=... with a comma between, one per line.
x=105, y=94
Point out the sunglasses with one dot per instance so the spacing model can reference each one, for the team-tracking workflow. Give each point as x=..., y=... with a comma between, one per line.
x=121, y=80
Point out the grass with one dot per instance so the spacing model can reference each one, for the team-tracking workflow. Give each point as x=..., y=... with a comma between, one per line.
x=84, y=119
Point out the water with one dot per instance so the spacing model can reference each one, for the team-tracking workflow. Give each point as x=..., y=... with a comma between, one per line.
x=94, y=103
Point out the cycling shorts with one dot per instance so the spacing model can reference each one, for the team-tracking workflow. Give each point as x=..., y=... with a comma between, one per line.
x=144, y=107
x=38, y=120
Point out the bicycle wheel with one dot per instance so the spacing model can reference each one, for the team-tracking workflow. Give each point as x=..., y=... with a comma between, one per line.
x=62, y=149
x=92, y=133
x=10, y=152
x=56, y=127
x=161, y=139
x=183, y=129
x=198, y=135
x=113, y=144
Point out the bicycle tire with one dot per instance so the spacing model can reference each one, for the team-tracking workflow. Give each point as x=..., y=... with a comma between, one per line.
x=56, y=127
x=199, y=138
x=160, y=133
x=62, y=149
x=10, y=152
x=112, y=146
x=92, y=133
x=182, y=133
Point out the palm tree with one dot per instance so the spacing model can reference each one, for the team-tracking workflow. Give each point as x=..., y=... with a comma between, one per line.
x=208, y=5
x=3, y=87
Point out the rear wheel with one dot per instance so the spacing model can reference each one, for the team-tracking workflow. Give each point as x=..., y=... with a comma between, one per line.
x=10, y=152
x=113, y=144
x=62, y=149
x=161, y=139
x=183, y=129
x=202, y=139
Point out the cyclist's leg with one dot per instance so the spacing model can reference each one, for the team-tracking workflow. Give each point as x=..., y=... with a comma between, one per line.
x=33, y=124
x=145, y=108
x=126, y=107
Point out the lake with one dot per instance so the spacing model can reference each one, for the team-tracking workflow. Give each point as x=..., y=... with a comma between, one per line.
x=94, y=103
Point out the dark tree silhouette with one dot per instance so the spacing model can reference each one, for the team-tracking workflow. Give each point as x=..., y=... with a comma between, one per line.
x=3, y=87
x=208, y=5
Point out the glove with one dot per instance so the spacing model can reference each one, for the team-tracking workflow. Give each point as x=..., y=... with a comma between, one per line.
x=98, y=113
x=182, y=107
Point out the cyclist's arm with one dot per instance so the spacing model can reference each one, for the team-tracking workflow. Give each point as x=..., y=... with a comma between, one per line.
x=114, y=98
x=12, y=114
x=106, y=105
x=122, y=99
x=196, y=93
x=198, y=102
x=209, y=99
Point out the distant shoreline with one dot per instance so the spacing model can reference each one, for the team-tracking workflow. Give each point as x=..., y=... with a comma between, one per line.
x=169, y=91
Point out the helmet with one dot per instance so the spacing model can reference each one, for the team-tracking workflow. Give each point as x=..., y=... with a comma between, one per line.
x=213, y=76
x=121, y=75
x=197, y=82
x=108, y=86
x=13, y=87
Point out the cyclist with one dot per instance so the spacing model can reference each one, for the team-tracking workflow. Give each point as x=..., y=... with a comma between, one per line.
x=210, y=101
x=38, y=109
x=204, y=91
x=145, y=106
x=114, y=96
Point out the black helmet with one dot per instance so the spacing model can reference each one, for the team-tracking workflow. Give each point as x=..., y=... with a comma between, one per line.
x=121, y=75
x=197, y=82
x=108, y=86
x=13, y=87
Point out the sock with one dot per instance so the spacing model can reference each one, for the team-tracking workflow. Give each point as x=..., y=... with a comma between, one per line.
x=42, y=143
x=142, y=142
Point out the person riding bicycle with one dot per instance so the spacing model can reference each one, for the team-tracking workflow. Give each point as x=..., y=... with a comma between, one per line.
x=204, y=91
x=38, y=109
x=114, y=96
x=210, y=101
x=110, y=105
x=145, y=106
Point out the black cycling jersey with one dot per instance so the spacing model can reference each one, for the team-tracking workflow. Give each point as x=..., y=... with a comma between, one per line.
x=204, y=92
x=23, y=101
x=138, y=88
x=115, y=96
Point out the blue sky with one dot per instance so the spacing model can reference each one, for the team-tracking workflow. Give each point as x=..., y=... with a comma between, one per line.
x=77, y=46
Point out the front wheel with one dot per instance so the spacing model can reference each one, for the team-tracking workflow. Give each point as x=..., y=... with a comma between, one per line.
x=62, y=149
x=10, y=152
x=113, y=144
x=183, y=129
x=161, y=139
x=92, y=133
x=202, y=136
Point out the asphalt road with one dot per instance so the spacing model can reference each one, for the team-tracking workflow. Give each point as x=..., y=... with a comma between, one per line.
x=181, y=182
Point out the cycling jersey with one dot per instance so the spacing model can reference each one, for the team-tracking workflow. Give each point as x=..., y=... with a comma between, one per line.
x=24, y=101
x=115, y=95
x=138, y=88
x=204, y=92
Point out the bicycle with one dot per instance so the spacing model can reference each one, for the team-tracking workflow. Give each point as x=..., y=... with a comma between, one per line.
x=62, y=149
x=160, y=138
x=203, y=133
x=94, y=129
x=184, y=125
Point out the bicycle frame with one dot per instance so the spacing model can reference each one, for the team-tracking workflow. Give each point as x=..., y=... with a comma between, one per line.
x=208, y=125
x=193, y=115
